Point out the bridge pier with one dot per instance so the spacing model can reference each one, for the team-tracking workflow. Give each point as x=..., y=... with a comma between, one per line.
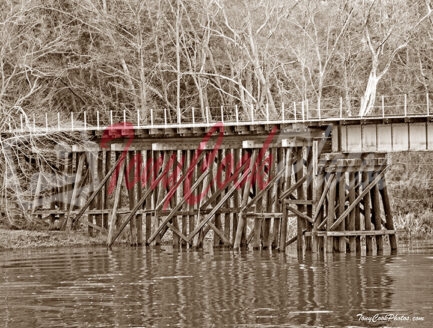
x=260, y=188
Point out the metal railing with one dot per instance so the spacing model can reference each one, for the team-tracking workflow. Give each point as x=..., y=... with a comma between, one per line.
x=332, y=109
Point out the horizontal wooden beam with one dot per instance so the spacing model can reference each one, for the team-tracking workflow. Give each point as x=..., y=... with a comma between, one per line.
x=351, y=233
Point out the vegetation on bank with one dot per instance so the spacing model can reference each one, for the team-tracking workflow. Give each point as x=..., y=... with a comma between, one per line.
x=410, y=184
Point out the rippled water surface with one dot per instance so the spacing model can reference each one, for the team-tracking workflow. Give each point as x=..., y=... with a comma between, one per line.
x=163, y=287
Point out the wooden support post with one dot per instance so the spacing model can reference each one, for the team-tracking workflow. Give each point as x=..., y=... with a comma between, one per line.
x=309, y=195
x=77, y=186
x=237, y=155
x=341, y=176
x=186, y=158
x=36, y=196
x=131, y=188
x=117, y=196
x=242, y=221
x=299, y=175
x=357, y=187
x=331, y=215
x=139, y=190
x=375, y=202
x=275, y=191
x=218, y=223
x=389, y=225
x=286, y=186
x=283, y=231
x=147, y=158
x=318, y=209
x=108, y=155
x=98, y=201
x=227, y=216
x=350, y=221
x=367, y=212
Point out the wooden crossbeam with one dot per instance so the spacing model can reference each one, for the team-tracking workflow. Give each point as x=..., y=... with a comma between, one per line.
x=352, y=233
x=300, y=214
x=216, y=208
x=97, y=190
x=358, y=199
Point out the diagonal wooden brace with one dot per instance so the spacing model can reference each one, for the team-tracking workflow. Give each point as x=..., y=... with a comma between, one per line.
x=217, y=207
x=177, y=207
x=97, y=190
x=359, y=199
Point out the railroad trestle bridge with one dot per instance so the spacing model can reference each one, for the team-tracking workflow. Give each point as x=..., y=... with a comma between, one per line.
x=318, y=181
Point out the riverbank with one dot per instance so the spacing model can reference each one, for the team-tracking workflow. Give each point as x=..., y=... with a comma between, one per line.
x=17, y=239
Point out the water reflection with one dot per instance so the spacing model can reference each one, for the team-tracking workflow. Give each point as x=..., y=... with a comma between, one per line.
x=165, y=287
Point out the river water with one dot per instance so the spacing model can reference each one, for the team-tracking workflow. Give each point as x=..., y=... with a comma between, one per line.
x=144, y=287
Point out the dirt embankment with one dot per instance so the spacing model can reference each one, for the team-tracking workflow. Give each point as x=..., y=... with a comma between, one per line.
x=15, y=239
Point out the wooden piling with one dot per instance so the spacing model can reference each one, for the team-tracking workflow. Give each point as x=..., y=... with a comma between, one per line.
x=299, y=173
x=388, y=213
x=331, y=214
x=376, y=216
x=350, y=220
x=367, y=212
x=357, y=187
x=341, y=176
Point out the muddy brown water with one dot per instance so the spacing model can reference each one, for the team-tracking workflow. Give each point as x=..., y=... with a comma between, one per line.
x=162, y=287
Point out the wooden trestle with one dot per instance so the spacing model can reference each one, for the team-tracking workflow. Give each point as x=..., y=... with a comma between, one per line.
x=266, y=187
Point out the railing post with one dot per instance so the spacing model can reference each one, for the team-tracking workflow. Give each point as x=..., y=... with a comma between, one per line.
x=72, y=121
x=237, y=113
x=193, y=115
x=58, y=121
x=267, y=112
x=222, y=114
x=151, y=117
x=138, y=118
x=97, y=119
x=318, y=108
x=307, y=109
x=383, y=106
x=85, y=120
x=252, y=113
x=303, y=110
x=428, y=104
x=405, y=105
x=111, y=117
x=178, y=115
x=341, y=107
x=165, y=116
x=282, y=112
x=207, y=114
x=294, y=109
